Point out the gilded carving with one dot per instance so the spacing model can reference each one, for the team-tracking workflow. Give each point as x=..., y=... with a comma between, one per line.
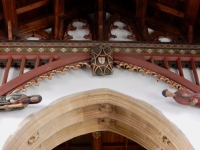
x=144, y=71
x=33, y=138
x=107, y=108
x=49, y=75
x=106, y=122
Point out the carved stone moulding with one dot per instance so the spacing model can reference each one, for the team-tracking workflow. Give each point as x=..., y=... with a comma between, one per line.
x=101, y=60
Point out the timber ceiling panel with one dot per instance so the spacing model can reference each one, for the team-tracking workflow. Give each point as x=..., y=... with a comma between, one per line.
x=177, y=18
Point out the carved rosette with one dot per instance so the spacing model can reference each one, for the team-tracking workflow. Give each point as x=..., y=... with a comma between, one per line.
x=33, y=138
x=106, y=122
x=101, y=60
x=107, y=108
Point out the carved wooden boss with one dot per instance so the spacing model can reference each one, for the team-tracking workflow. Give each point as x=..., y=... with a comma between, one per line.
x=101, y=60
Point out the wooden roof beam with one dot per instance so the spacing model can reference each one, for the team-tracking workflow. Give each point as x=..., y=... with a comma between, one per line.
x=29, y=7
x=32, y=6
x=59, y=9
x=141, y=8
x=100, y=18
x=35, y=25
x=190, y=17
x=166, y=9
x=80, y=9
x=157, y=25
x=114, y=8
x=97, y=140
x=9, y=10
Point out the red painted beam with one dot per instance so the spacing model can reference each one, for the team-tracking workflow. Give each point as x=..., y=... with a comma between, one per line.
x=8, y=65
x=125, y=57
x=66, y=59
x=21, y=71
x=194, y=69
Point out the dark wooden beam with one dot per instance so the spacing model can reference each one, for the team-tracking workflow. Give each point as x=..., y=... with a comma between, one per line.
x=99, y=19
x=141, y=7
x=190, y=14
x=35, y=25
x=166, y=9
x=59, y=8
x=157, y=25
x=97, y=141
x=9, y=10
x=118, y=9
x=32, y=6
x=190, y=34
x=82, y=9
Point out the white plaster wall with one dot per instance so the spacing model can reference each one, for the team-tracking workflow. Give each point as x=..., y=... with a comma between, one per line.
x=134, y=84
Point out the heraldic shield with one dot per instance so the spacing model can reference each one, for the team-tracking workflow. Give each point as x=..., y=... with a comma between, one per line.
x=101, y=60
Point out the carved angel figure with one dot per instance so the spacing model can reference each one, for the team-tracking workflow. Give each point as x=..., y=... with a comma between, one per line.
x=18, y=101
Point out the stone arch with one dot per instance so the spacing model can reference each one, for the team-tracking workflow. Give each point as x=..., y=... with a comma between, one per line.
x=97, y=110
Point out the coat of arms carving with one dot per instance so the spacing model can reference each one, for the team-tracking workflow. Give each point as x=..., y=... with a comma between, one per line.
x=101, y=60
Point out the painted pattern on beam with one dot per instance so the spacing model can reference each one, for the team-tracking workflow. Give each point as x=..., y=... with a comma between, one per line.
x=116, y=49
x=77, y=46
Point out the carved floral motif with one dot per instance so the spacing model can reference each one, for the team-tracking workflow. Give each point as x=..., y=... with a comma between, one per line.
x=49, y=75
x=164, y=138
x=144, y=71
x=33, y=138
x=107, y=108
x=106, y=122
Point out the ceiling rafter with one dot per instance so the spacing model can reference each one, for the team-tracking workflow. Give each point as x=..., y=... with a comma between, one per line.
x=190, y=18
x=59, y=9
x=141, y=8
x=32, y=6
x=28, y=7
x=9, y=10
x=166, y=9
x=100, y=17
